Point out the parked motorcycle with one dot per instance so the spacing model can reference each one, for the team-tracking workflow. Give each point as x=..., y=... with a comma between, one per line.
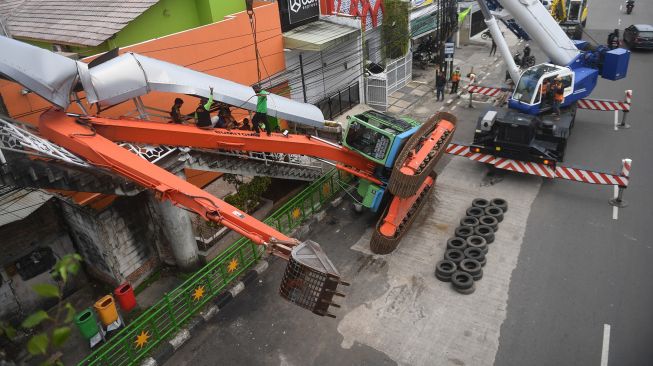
x=486, y=35
x=630, y=4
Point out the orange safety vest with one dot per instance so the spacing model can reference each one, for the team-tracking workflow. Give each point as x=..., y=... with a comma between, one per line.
x=545, y=88
x=559, y=95
x=455, y=76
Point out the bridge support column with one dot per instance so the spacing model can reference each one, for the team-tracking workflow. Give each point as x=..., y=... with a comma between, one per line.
x=178, y=229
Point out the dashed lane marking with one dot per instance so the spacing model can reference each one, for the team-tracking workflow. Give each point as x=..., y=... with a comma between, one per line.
x=605, y=351
x=454, y=107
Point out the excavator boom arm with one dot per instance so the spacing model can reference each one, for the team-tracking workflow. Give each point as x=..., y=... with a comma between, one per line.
x=66, y=131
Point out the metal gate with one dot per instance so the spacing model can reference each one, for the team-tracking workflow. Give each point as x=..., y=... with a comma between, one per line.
x=379, y=86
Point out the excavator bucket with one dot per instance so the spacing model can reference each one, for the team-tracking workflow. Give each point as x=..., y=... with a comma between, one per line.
x=310, y=279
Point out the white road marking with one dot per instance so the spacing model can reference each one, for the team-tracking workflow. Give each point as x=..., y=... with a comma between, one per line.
x=616, y=120
x=619, y=21
x=449, y=101
x=615, y=209
x=606, y=345
x=458, y=103
x=419, y=82
x=498, y=64
x=441, y=108
x=454, y=107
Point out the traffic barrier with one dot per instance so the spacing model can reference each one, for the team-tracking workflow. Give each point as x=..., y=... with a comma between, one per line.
x=125, y=295
x=610, y=105
x=485, y=90
x=546, y=171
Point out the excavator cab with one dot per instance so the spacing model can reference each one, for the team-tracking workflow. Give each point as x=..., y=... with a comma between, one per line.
x=377, y=136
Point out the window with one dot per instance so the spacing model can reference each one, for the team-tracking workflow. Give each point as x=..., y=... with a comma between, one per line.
x=528, y=84
x=367, y=140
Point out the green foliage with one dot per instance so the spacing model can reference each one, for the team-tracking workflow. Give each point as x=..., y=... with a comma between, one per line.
x=394, y=28
x=46, y=290
x=46, y=341
x=35, y=319
x=248, y=194
x=38, y=345
x=60, y=335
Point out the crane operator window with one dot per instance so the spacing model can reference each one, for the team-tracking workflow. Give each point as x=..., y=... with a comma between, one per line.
x=528, y=86
x=367, y=140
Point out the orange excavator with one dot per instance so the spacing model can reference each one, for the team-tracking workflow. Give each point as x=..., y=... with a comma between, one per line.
x=392, y=157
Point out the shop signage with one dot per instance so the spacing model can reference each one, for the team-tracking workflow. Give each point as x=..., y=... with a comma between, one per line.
x=299, y=10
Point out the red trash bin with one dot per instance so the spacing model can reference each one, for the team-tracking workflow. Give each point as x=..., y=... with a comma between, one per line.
x=125, y=295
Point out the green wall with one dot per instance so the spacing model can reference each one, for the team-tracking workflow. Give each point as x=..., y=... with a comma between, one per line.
x=164, y=18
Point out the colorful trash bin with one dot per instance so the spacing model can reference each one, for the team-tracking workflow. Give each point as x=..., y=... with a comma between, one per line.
x=125, y=296
x=106, y=310
x=86, y=323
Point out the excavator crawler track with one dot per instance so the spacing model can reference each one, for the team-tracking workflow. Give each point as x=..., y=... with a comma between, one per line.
x=381, y=244
x=405, y=185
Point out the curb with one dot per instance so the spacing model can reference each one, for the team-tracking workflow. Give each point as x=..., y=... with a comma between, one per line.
x=164, y=351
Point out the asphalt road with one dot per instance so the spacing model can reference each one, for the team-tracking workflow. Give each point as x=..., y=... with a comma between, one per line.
x=579, y=269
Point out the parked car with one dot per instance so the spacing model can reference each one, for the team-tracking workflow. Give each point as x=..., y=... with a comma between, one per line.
x=639, y=36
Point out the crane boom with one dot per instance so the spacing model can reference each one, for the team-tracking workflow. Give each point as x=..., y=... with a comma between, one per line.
x=543, y=29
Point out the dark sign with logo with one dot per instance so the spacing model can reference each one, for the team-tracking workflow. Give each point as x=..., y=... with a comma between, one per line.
x=299, y=10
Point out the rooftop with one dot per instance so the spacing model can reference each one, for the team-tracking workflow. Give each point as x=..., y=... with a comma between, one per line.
x=85, y=22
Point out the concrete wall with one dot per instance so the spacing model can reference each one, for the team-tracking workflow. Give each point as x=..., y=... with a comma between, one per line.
x=121, y=243
x=43, y=228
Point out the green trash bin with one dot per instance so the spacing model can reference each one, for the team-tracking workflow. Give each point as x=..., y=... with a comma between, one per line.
x=86, y=323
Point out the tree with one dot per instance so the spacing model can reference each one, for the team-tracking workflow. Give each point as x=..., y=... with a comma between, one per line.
x=394, y=28
x=248, y=195
x=45, y=342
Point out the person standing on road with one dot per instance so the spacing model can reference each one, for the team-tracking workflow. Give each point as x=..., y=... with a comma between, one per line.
x=493, y=50
x=440, y=83
x=455, y=80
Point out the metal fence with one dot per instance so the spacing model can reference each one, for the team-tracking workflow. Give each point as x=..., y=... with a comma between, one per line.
x=396, y=75
x=340, y=102
x=168, y=315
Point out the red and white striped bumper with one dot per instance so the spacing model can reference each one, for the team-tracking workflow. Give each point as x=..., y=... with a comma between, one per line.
x=542, y=170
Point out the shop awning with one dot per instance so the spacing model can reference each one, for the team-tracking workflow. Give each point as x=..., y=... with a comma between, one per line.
x=318, y=35
x=423, y=21
x=16, y=204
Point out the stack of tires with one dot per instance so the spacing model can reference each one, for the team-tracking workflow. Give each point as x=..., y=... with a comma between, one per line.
x=466, y=251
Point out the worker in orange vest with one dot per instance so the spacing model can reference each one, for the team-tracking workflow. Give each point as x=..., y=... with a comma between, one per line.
x=455, y=80
x=545, y=92
x=558, y=96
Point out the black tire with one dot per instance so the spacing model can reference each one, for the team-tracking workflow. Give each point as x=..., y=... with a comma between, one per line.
x=454, y=255
x=469, y=221
x=486, y=232
x=478, y=276
x=495, y=211
x=490, y=221
x=462, y=280
x=480, y=202
x=457, y=243
x=475, y=211
x=444, y=269
x=471, y=266
x=476, y=253
x=468, y=291
x=501, y=203
x=464, y=231
x=477, y=241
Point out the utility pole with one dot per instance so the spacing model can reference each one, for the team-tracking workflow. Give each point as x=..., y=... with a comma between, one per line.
x=301, y=72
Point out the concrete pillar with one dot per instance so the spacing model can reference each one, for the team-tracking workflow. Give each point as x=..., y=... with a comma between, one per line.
x=178, y=228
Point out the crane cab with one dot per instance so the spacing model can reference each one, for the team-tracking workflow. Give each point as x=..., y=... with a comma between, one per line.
x=528, y=97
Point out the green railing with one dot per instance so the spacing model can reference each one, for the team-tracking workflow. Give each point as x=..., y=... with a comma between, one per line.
x=169, y=314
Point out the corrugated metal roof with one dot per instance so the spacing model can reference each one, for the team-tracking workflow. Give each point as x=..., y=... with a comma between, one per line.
x=16, y=203
x=80, y=22
x=317, y=36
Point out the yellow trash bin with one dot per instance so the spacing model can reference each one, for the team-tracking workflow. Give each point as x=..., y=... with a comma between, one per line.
x=106, y=310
